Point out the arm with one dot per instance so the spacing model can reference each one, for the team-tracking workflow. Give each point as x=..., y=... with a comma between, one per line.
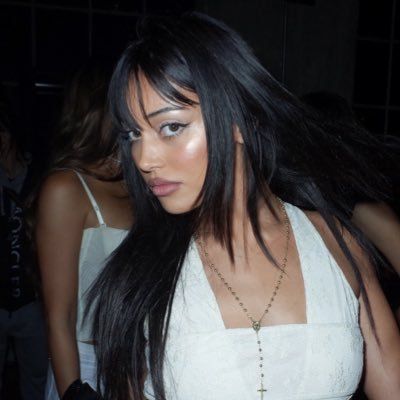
x=382, y=226
x=382, y=360
x=62, y=209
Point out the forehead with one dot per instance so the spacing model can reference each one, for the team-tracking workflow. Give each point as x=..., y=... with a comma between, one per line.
x=144, y=98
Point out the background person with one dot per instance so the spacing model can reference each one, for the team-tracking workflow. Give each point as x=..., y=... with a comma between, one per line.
x=21, y=317
x=83, y=213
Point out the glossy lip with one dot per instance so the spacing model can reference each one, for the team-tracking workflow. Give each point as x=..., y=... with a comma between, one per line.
x=163, y=187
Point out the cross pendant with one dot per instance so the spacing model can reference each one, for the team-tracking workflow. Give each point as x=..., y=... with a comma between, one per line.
x=261, y=390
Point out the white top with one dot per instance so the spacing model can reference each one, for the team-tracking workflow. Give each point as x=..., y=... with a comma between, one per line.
x=97, y=245
x=322, y=359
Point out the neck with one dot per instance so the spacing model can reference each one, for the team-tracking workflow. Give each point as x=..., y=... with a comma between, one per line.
x=241, y=226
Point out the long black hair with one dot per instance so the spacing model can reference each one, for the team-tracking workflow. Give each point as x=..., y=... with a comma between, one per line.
x=286, y=152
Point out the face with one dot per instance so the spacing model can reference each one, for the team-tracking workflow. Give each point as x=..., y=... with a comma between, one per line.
x=171, y=149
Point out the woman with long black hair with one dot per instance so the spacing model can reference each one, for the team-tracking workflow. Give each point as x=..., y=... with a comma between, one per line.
x=223, y=289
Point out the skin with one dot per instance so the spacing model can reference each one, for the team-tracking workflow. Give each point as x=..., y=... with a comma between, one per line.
x=64, y=211
x=169, y=133
x=382, y=226
x=183, y=158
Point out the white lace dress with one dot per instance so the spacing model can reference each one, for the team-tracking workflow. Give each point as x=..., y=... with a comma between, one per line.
x=322, y=359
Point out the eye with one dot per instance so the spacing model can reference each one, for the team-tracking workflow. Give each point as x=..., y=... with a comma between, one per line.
x=133, y=136
x=172, y=129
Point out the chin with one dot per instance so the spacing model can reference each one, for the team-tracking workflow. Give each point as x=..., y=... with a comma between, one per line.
x=176, y=209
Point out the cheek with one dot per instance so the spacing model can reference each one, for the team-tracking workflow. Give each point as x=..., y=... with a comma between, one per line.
x=194, y=153
x=135, y=153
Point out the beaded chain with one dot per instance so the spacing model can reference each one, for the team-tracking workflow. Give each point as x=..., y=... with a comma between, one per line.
x=255, y=323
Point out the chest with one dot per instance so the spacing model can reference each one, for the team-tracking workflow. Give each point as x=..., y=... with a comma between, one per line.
x=259, y=289
x=321, y=359
x=317, y=357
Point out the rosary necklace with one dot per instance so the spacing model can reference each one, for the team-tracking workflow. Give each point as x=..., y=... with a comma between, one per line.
x=255, y=323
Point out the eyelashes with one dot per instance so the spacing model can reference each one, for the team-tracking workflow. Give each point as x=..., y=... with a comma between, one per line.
x=172, y=129
x=168, y=131
x=133, y=135
x=130, y=136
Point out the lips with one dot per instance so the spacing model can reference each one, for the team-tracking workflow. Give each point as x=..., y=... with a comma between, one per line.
x=161, y=187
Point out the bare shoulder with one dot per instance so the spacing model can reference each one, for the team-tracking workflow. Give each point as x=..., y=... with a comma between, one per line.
x=61, y=185
x=373, y=209
x=63, y=191
x=378, y=221
x=355, y=249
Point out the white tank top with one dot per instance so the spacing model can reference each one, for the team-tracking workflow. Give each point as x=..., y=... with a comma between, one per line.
x=97, y=245
x=322, y=359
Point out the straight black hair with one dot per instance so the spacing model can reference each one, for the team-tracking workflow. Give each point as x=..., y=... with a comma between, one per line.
x=287, y=152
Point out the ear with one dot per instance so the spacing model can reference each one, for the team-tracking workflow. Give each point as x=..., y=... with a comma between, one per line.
x=237, y=135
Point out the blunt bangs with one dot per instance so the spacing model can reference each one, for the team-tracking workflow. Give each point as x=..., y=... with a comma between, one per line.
x=164, y=70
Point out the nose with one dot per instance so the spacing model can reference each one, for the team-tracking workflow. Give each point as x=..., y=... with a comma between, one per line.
x=147, y=154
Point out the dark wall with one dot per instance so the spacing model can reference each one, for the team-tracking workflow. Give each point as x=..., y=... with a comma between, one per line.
x=347, y=46
x=308, y=45
x=377, y=72
x=320, y=46
x=351, y=47
x=43, y=41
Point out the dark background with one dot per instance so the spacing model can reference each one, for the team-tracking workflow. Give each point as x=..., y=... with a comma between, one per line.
x=347, y=46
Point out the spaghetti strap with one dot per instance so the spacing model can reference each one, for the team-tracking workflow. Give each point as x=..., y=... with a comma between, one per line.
x=92, y=199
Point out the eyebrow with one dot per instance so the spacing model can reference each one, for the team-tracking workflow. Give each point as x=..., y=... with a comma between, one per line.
x=163, y=110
